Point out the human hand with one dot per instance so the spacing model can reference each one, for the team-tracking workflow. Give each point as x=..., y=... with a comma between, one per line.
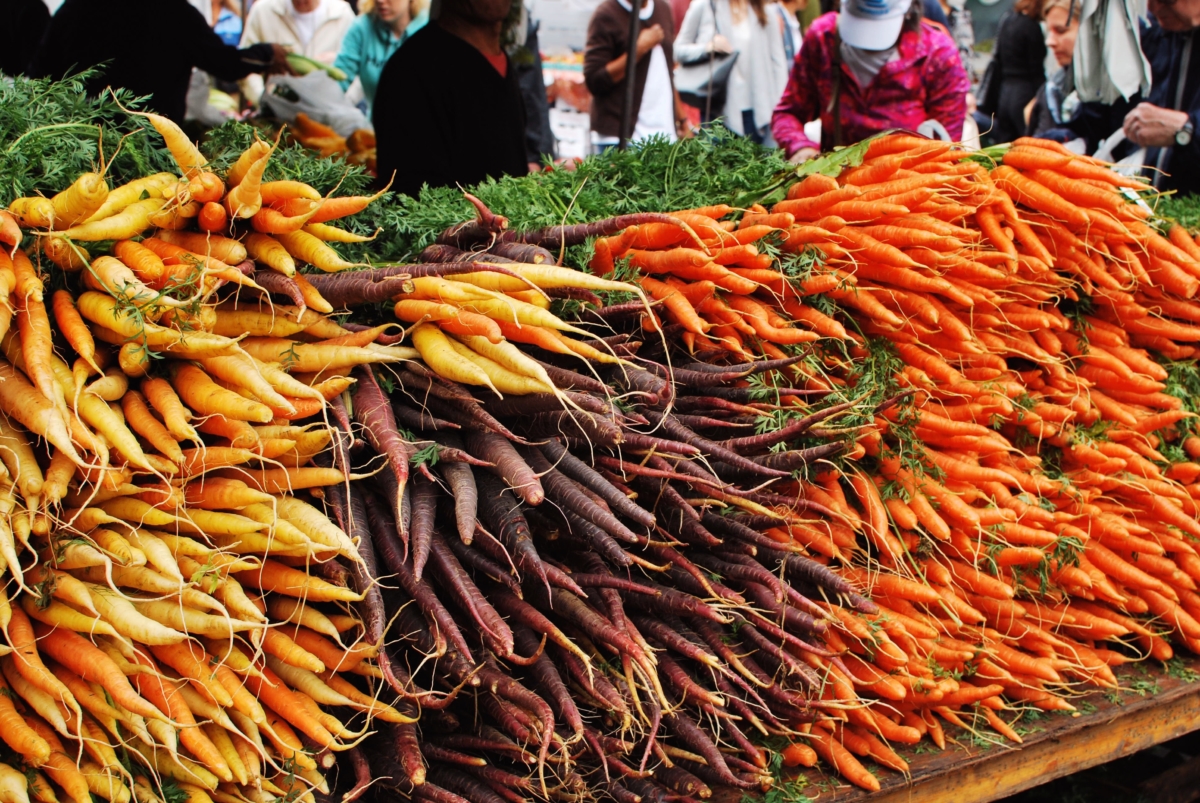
x=279, y=63
x=1153, y=126
x=649, y=38
x=534, y=167
x=721, y=45
x=803, y=155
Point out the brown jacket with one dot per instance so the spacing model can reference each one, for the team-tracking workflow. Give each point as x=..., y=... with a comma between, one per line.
x=608, y=39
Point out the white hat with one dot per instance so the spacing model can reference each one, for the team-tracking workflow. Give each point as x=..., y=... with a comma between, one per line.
x=872, y=24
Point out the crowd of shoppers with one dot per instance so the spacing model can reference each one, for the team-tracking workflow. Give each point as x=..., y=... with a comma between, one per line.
x=456, y=92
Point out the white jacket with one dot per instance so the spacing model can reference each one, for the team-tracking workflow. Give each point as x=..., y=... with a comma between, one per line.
x=764, y=64
x=271, y=21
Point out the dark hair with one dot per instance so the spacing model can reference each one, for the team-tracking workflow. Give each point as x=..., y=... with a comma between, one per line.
x=1030, y=8
x=914, y=15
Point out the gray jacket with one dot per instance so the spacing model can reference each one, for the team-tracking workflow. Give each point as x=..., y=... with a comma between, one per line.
x=765, y=64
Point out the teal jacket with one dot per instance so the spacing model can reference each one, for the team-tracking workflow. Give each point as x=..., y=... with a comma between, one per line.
x=367, y=47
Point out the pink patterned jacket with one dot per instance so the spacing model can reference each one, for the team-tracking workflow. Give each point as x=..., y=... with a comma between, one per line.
x=927, y=81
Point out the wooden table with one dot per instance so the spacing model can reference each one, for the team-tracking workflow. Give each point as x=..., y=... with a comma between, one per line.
x=1155, y=706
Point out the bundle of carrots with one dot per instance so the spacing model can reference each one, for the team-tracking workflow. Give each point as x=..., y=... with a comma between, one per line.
x=1017, y=513
x=897, y=452
x=175, y=613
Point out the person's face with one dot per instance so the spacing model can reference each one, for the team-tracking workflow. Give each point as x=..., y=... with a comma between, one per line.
x=305, y=6
x=389, y=10
x=1180, y=15
x=1060, y=37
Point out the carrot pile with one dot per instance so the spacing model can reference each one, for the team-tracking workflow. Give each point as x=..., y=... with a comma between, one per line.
x=1017, y=514
x=897, y=452
x=177, y=618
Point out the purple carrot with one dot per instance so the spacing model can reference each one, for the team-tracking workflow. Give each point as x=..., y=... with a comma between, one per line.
x=372, y=410
x=517, y=406
x=577, y=293
x=678, y=603
x=615, y=312
x=566, y=379
x=744, y=395
x=354, y=288
x=657, y=629
x=709, y=403
x=502, y=513
x=682, y=781
x=747, y=572
x=636, y=441
x=440, y=252
x=507, y=463
x=418, y=420
x=513, y=691
x=794, y=621
x=481, y=563
x=596, y=626
x=408, y=749
x=705, y=422
x=594, y=429
x=527, y=253
x=424, y=506
x=656, y=388
x=427, y=601
x=461, y=480
x=458, y=782
x=435, y=752
x=795, y=429
x=742, y=369
x=594, y=580
x=555, y=237
x=753, y=638
x=694, y=737
x=678, y=677
x=562, y=579
x=598, y=539
x=489, y=219
x=436, y=794
x=585, y=475
x=567, y=495
x=672, y=428
x=496, y=632
x=282, y=285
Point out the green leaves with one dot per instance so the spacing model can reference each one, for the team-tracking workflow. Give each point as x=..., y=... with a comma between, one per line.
x=51, y=131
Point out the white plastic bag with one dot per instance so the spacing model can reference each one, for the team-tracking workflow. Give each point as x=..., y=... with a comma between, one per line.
x=318, y=96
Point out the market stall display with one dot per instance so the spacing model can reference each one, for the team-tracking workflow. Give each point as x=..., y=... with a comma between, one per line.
x=910, y=442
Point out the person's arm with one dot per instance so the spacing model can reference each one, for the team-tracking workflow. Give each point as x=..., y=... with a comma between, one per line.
x=801, y=98
x=350, y=58
x=213, y=56
x=602, y=47
x=687, y=48
x=947, y=85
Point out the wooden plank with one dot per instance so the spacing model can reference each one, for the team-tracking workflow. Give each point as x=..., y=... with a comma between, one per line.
x=1115, y=726
x=1013, y=771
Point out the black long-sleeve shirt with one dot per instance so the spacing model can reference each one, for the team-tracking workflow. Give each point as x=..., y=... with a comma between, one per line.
x=25, y=22
x=444, y=115
x=1164, y=49
x=151, y=47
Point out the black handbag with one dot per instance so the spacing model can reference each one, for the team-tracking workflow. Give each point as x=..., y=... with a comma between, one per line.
x=702, y=83
x=988, y=98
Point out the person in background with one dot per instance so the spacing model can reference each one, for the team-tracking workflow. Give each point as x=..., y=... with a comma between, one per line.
x=1166, y=122
x=656, y=105
x=448, y=107
x=372, y=39
x=962, y=30
x=313, y=28
x=789, y=12
x=1056, y=108
x=24, y=23
x=87, y=33
x=526, y=58
x=1021, y=50
x=760, y=72
x=874, y=65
